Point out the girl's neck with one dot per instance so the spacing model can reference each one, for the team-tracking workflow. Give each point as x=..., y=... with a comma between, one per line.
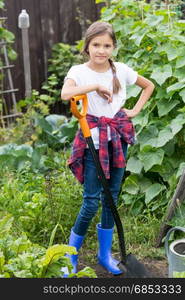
x=98, y=67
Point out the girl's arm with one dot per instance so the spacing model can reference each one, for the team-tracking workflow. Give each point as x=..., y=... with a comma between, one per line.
x=70, y=89
x=147, y=91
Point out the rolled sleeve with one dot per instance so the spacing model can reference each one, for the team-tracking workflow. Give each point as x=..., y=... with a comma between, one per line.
x=72, y=74
x=131, y=76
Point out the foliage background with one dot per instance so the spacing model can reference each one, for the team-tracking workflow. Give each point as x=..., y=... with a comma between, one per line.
x=152, y=42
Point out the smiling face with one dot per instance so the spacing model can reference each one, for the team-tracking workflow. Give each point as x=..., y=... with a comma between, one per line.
x=100, y=49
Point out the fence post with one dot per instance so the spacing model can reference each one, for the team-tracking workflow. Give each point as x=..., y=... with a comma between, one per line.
x=24, y=24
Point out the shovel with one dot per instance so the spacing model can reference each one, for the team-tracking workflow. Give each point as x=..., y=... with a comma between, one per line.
x=129, y=265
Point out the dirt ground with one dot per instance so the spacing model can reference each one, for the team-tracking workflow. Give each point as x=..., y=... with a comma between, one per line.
x=156, y=268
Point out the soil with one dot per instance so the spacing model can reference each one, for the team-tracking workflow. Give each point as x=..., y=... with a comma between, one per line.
x=157, y=268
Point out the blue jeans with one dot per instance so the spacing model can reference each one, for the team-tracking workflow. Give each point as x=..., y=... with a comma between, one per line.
x=93, y=193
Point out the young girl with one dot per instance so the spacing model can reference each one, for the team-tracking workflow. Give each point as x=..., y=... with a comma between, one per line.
x=104, y=82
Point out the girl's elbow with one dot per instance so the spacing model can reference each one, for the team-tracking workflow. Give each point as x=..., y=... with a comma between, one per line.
x=152, y=86
x=64, y=96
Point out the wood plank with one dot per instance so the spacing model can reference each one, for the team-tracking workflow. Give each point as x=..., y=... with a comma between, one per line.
x=51, y=22
x=6, y=67
x=176, y=201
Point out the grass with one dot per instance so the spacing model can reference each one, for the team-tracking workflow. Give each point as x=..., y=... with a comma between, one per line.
x=38, y=203
x=140, y=238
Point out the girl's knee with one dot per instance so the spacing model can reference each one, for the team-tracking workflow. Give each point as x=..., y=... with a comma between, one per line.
x=90, y=208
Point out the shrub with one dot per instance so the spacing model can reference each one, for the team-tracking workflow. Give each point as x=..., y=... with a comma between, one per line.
x=20, y=258
x=152, y=42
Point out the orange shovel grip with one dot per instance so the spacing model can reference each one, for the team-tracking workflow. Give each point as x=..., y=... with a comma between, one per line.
x=81, y=116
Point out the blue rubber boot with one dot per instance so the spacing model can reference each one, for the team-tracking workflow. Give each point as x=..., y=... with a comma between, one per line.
x=104, y=253
x=76, y=241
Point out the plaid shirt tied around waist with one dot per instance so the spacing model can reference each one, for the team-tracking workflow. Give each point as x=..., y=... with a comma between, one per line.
x=120, y=127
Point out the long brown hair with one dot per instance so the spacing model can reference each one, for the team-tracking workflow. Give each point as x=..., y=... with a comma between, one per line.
x=98, y=28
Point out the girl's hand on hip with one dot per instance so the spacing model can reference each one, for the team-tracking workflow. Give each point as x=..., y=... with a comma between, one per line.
x=104, y=93
x=131, y=113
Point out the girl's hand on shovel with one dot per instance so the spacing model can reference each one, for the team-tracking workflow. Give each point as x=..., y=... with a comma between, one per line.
x=104, y=93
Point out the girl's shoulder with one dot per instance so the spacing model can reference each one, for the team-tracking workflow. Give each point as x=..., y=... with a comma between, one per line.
x=120, y=65
x=77, y=67
x=126, y=73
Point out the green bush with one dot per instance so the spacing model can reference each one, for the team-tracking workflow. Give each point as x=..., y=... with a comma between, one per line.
x=40, y=200
x=20, y=258
x=62, y=58
x=152, y=42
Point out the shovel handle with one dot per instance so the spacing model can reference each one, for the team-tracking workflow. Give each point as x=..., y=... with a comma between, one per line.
x=81, y=116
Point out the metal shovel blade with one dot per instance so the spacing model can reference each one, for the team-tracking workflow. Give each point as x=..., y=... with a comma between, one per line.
x=133, y=268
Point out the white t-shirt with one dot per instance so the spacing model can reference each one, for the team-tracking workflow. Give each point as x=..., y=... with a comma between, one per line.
x=97, y=106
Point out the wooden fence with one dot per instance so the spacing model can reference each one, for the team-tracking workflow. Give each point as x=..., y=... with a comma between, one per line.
x=51, y=22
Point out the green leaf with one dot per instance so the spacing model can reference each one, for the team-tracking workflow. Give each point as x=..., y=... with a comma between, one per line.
x=161, y=93
x=118, y=25
x=126, y=198
x=164, y=106
x=7, y=149
x=144, y=183
x=21, y=244
x=139, y=35
x=137, y=207
x=44, y=124
x=12, y=54
x=2, y=261
x=54, y=252
x=131, y=185
x=69, y=130
x=175, y=87
x=141, y=119
x=36, y=158
x=138, y=53
x=54, y=232
x=6, y=224
x=45, y=97
x=165, y=135
x=179, y=73
x=169, y=148
x=23, y=274
x=7, y=35
x=160, y=74
x=56, y=121
x=100, y=1
x=180, y=62
x=171, y=52
x=150, y=156
x=180, y=170
x=182, y=94
x=85, y=272
x=133, y=91
x=23, y=150
x=177, y=123
x=153, y=191
x=1, y=4
x=134, y=165
x=178, y=274
x=148, y=136
x=153, y=20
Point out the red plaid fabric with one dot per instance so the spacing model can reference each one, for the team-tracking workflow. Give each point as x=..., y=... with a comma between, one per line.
x=120, y=127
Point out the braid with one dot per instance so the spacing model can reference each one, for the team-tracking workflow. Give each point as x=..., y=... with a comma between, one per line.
x=116, y=83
